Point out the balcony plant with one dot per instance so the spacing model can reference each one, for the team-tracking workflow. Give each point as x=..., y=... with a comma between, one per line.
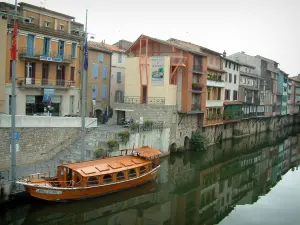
x=197, y=86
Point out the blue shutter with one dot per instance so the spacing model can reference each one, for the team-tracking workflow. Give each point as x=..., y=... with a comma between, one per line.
x=104, y=90
x=104, y=72
x=118, y=77
x=100, y=57
x=94, y=91
x=73, y=50
x=30, y=44
x=95, y=70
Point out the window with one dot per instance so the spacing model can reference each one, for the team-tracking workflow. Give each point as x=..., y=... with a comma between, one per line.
x=61, y=48
x=104, y=90
x=47, y=23
x=118, y=77
x=233, y=66
x=104, y=72
x=30, y=45
x=100, y=57
x=72, y=76
x=61, y=27
x=74, y=50
x=227, y=94
x=120, y=176
x=229, y=65
x=46, y=46
x=29, y=20
x=143, y=170
x=235, y=79
x=131, y=173
x=226, y=64
x=30, y=72
x=230, y=78
x=107, y=178
x=45, y=73
x=92, y=181
x=95, y=70
x=119, y=58
x=226, y=77
x=235, y=95
x=10, y=69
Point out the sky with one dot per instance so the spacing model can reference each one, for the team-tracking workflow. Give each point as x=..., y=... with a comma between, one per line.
x=270, y=28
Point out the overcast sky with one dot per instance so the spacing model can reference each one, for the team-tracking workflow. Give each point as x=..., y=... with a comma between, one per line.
x=270, y=28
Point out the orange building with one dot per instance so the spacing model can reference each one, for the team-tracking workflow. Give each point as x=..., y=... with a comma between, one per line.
x=48, y=61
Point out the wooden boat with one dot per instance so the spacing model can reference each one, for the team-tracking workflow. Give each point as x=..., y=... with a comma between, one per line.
x=96, y=177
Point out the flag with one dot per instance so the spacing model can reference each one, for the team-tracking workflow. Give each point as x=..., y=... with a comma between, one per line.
x=85, y=53
x=13, y=50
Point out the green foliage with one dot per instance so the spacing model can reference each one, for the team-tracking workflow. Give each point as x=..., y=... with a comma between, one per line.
x=133, y=126
x=111, y=144
x=180, y=149
x=148, y=123
x=124, y=136
x=198, y=141
x=173, y=148
x=98, y=153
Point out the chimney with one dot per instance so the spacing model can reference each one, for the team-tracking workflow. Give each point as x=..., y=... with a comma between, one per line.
x=224, y=54
x=242, y=52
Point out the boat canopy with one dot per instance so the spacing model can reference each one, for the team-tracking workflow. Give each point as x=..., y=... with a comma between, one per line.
x=147, y=152
x=107, y=166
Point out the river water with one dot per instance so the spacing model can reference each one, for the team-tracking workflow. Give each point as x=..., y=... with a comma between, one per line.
x=253, y=180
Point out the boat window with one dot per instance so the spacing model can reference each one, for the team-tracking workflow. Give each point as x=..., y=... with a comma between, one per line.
x=107, y=179
x=132, y=173
x=143, y=170
x=120, y=176
x=92, y=180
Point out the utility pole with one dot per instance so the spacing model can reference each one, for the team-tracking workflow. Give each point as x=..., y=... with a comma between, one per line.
x=13, y=109
x=83, y=92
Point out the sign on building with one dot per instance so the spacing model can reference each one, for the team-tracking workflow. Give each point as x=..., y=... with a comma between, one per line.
x=158, y=64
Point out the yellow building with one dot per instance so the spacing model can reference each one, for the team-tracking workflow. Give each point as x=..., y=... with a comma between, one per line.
x=49, y=46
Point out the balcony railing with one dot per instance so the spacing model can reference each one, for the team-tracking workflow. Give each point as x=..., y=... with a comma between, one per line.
x=44, y=82
x=51, y=56
x=137, y=100
x=198, y=68
x=196, y=106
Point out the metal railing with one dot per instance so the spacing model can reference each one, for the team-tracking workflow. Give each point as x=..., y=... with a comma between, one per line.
x=137, y=100
x=33, y=82
x=196, y=106
x=197, y=68
x=51, y=56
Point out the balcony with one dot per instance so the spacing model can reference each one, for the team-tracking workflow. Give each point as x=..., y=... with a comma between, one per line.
x=44, y=83
x=137, y=100
x=214, y=103
x=197, y=87
x=196, y=107
x=198, y=69
x=215, y=81
x=51, y=56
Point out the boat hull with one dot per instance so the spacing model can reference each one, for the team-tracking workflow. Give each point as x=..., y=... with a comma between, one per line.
x=66, y=194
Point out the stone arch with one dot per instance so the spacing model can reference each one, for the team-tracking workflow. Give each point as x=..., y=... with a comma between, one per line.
x=186, y=143
x=173, y=147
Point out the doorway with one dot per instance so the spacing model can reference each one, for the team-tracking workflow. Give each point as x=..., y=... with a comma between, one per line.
x=99, y=116
x=186, y=143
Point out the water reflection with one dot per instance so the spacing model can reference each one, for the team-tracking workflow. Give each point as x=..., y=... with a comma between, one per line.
x=194, y=188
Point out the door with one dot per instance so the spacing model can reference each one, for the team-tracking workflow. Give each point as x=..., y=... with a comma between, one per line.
x=29, y=73
x=45, y=74
x=30, y=45
x=144, y=98
x=60, y=75
x=61, y=49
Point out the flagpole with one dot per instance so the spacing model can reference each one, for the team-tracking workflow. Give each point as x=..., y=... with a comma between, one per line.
x=83, y=94
x=13, y=108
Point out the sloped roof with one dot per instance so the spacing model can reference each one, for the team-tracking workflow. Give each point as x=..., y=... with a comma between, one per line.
x=172, y=40
x=266, y=59
x=123, y=44
x=178, y=46
x=99, y=46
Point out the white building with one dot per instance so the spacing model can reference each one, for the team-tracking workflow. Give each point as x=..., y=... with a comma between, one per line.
x=232, y=79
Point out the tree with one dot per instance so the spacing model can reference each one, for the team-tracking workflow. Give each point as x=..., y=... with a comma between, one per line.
x=198, y=141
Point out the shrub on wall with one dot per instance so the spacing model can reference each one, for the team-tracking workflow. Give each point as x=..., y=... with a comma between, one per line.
x=124, y=136
x=98, y=153
x=198, y=141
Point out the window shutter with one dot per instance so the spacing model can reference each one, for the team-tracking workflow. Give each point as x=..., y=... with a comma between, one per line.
x=100, y=57
x=95, y=70
x=119, y=77
x=104, y=91
x=104, y=72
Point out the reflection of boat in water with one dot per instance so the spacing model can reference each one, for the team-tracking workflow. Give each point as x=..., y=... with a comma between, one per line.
x=93, y=211
x=97, y=177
